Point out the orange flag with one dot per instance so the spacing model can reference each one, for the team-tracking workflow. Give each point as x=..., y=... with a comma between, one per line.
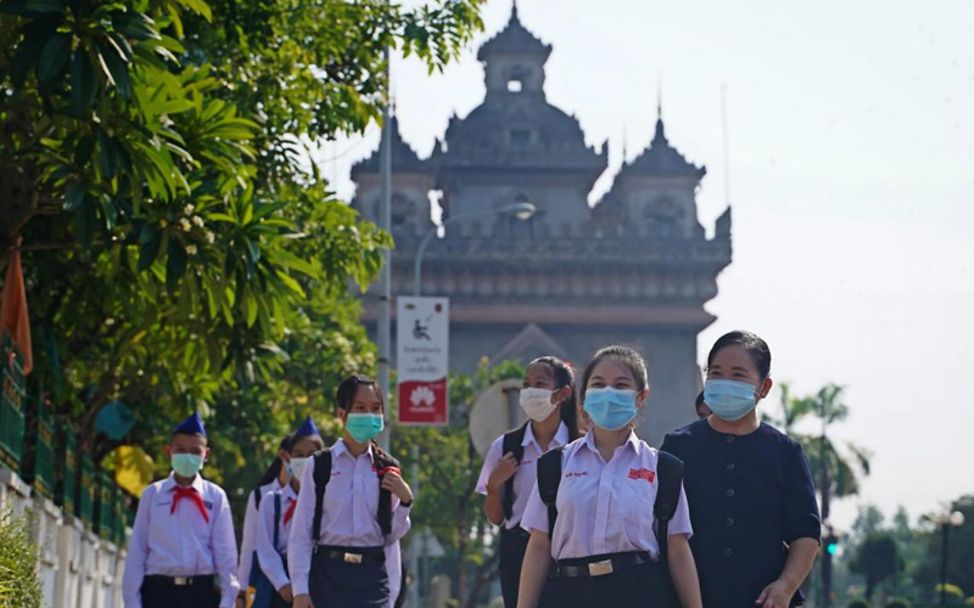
x=13, y=309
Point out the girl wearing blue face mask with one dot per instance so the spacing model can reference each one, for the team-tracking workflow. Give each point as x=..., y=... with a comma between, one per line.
x=752, y=502
x=595, y=544
x=351, y=512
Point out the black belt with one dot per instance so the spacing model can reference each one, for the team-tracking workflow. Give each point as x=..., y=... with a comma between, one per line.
x=354, y=555
x=516, y=532
x=180, y=581
x=598, y=565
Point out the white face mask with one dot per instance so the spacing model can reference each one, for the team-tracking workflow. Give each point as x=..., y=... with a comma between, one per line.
x=536, y=403
x=296, y=465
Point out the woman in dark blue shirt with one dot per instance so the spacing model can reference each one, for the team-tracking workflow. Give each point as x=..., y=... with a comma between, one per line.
x=756, y=524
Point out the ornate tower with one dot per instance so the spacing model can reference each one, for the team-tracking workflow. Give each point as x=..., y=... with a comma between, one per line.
x=637, y=268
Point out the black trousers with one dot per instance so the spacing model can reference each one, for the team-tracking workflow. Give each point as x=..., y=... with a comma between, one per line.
x=159, y=594
x=334, y=583
x=513, y=545
x=630, y=587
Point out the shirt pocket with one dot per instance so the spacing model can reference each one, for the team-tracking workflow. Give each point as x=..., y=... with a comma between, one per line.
x=634, y=508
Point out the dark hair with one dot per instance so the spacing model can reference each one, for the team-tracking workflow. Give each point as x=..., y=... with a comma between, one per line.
x=564, y=376
x=699, y=401
x=274, y=470
x=345, y=395
x=756, y=348
x=625, y=355
x=294, y=442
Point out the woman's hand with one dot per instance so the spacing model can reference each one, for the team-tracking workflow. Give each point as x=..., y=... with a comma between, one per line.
x=505, y=469
x=776, y=595
x=303, y=601
x=393, y=482
x=286, y=594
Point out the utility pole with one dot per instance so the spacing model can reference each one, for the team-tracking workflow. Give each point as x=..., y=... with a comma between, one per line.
x=384, y=329
x=826, y=495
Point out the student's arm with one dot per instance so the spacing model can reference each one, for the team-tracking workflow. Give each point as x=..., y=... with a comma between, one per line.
x=534, y=572
x=300, y=543
x=138, y=551
x=247, y=538
x=802, y=530
x=491, y=480
x=683, y=571
x=225, y=552
x=269, y=560
x=402, y=502
x=537, y=557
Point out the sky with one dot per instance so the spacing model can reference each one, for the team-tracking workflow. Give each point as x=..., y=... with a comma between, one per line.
x=851, y=138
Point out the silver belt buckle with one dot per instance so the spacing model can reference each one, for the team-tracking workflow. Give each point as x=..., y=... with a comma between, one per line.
x=600, y=568
x=352, y=558
x=181, y=581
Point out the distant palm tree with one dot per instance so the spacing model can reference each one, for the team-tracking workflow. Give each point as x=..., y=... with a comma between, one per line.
x=845, y=466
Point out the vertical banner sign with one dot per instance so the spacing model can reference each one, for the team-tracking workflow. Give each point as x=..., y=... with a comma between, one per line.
x=422, y=359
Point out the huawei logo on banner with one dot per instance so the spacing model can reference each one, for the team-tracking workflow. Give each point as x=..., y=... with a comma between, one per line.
x=422, y=397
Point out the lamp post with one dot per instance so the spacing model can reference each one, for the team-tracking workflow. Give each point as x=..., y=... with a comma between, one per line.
x=521, y=211
x=946, y=521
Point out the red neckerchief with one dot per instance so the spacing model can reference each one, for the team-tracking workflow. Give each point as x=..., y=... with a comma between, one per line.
x=290, y=510
x=191, y=493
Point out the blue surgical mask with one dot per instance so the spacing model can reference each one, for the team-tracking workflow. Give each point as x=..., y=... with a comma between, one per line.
x=364, y=427
x=610, y=408
x=729, y=399
x=187, y=465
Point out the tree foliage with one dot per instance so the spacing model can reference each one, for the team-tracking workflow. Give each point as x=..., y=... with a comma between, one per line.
x=181, y=251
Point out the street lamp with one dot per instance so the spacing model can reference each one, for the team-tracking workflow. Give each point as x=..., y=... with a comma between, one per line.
x=521, y=211
x=946, y=521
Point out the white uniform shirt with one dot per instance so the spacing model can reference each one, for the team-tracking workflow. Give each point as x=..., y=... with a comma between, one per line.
x=248, y=537
x=349, y=514
x=268, y=554
x=604, y=507
x=181, y=543
x=527, y=471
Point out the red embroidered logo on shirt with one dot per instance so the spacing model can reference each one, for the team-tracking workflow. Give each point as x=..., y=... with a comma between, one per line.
x=646, y=474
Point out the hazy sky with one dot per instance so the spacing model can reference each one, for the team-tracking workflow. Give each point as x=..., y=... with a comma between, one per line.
x=851, y=145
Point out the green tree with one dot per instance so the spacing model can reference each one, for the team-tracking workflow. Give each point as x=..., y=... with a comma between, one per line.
x=960, y=551
x=180, y=251
x=844, y=463
x=877, y=559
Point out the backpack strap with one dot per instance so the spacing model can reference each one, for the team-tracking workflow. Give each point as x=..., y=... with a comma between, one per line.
x=549, y=478
x=277, y=518
x=383, y=463
x=322, y=474
x=512, y=443
x=669, y=476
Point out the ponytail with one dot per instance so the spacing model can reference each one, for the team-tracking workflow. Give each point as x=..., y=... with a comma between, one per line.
x=564, y=376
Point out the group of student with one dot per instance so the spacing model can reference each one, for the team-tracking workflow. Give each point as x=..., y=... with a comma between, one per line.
x=723, y=515
x=334, y=545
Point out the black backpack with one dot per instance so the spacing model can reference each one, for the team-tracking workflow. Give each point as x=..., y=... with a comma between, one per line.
x=512, y=443
x=322, y=474
x=669, y=475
